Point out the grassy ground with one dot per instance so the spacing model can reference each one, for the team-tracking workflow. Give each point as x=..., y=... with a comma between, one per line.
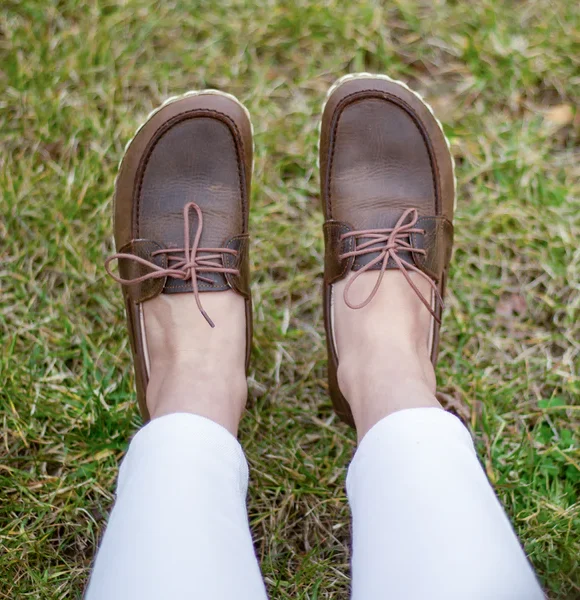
x=78, y=77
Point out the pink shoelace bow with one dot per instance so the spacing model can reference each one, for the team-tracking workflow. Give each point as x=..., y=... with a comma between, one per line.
x=387, y=243
x=185, y=267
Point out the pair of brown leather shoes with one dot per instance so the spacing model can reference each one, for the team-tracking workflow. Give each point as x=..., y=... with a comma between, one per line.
x=183, y=190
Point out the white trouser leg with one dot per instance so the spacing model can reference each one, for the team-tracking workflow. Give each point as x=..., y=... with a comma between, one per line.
x=426, y=522
x=179, y=528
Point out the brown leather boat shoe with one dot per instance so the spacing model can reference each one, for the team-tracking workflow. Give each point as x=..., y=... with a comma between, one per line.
x=181, y=211
x=388, y=194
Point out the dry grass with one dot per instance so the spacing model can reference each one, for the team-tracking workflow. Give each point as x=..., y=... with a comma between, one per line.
x=79, y=77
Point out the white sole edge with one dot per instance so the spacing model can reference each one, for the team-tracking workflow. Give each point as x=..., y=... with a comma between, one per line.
x=354, y=76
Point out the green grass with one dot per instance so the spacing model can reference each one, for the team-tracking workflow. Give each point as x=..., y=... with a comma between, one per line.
x=77, y=79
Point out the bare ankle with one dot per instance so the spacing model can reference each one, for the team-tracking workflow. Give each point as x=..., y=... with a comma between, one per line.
x=384, y=353
x=195, y=368
x=378, y=385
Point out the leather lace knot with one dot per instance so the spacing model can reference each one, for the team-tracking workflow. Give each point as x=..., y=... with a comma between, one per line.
x=183, y=263
x=388, y=243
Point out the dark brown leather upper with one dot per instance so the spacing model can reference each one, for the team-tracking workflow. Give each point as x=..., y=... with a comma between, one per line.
x=197, y=149
x=382, y=152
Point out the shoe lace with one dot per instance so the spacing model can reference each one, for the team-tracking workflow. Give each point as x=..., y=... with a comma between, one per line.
x=388, y=243
x=183, y=263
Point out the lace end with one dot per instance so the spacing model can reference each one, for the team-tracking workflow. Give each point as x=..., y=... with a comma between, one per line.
x=207, y=318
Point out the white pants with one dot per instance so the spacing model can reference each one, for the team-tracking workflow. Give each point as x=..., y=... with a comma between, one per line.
x=426, y=522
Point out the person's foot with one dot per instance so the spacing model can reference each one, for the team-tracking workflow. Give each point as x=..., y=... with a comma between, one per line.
x=387, y=189
x=181, y=231
x=196, y=368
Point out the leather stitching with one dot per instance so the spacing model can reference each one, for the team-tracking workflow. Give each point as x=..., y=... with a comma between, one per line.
x=442, y=227
x=349, y=244
x=342, y=228
x=129, y=248
x=201, y=285
x=235, y=282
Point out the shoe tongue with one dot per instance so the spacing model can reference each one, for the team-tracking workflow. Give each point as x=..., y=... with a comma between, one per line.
x=211, y=233
x=385, y=219
x=217, y=281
